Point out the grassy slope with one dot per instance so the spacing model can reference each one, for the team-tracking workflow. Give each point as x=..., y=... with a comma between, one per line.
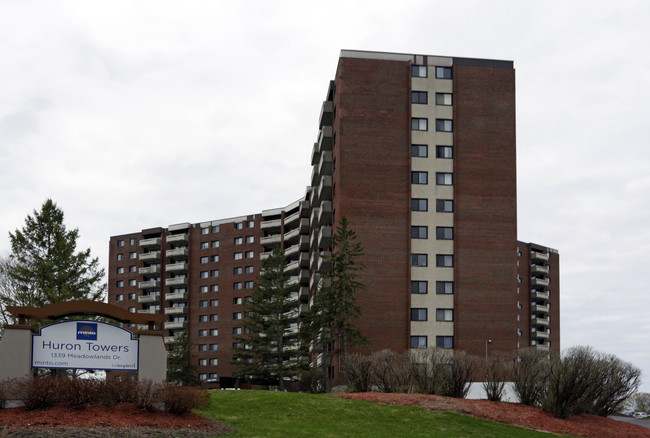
x=279, y=414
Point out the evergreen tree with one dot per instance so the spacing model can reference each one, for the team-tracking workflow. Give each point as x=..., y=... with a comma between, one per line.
x=335, y=307
x=45, y=267
x=180, y=369
x=269, y=349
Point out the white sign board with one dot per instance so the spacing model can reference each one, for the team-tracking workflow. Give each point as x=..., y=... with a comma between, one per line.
x=85, y=345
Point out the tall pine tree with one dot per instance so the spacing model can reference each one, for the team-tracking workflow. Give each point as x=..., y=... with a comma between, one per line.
x=269, y=349
x=45, y=266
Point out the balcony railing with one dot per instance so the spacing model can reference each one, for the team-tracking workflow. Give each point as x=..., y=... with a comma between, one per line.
x=539, y=282
x=149, y=270
x=149, y=284
x=177, y=239
x=177, y=253
x=176, y=296
x=154, y=242
x=326, y=114
x=175, y=310
x=324, y=261
x=325, y=187
x=540, y=334
x=174, y=325
x=325, y=213
x=149, y=256
x=534, y=255
x=537, y=269
x=272, y=225
x=325, y=139
x=180, y=281
x=273, y=240
x=538, y=295
x=176, y=267
x=540, y=321
x=151, y=298
x=325, y=237
x=540, y=308
x=325, y=164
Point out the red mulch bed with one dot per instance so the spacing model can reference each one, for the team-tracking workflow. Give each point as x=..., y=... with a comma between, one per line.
x=123, y=420
x=511, y=413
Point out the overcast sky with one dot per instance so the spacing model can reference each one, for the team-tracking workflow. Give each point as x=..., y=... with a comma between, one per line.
x=136, y=114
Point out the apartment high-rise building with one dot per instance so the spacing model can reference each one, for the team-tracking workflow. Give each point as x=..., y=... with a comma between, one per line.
x=419, y=154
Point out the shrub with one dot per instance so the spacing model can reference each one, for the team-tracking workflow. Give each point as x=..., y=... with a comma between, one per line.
x=458, y=374
x=391, y=371
x=530, y=374
x=358, y=369
x=149, y=395
x=181, y=399
x=428, y=369
x=78, y=393
x=115, y=391
x=497, y=372
x=6, y=386
x=38, y=392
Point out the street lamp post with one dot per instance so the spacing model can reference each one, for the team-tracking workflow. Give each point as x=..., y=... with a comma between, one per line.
x=487, y=342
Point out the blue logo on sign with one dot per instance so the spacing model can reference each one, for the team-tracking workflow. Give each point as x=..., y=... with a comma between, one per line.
x=87, y=331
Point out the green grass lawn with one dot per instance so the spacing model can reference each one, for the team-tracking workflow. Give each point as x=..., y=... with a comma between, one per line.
x=284, y=414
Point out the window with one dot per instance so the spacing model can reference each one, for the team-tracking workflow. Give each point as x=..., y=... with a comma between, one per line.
x=248, y=285
x=443, y=125
x=248, y=299
x=239, y=226
x=214, y=303
x=419, y=150
x=419, y=177
x=237, y=301
x=120, y=270
x=237, y=286
x=214, y=288
x=205, y=230
x=214, y=347
x=203, y=303
x=215, y=229
x=214, y=317
x=419, y=287
x=132, y=282
x=205, y=245
x=418, y=342
x=214, y=273
x=238, y=256
x=214, y=244
x=203, y=274
x=444, y=152
x=250, y=239
x=203, y=332
x=419, y=71
x=119, y=297
x=120, y=257
x=421, y=97
x=132, y=241
x=203, y=318
x=444, y=205
x=418, y=314
x=237, y=271
x=203, y=377
x=419, y=260
x=133, y=269
x=443, y=99
x=443, y=72
x=203, y=347
x=445, y=315
x=444, y=179
x=236, y=345
x=239, y=240
x=445, y=341
x=204, y=260
x=214, y=332
x=120, y=243
x=236, y=316
x=214, y=361
x=418, y=204
x=444, y=287
x=203, y=289
x=236, y=331
x=249, y=269
x=119, y=283
x=445, y=233
x=214, y=258
x=250, y=254
x=419, y=232
x=133, y=255
x=419, y=124
x=444, y=260
x=203, y=362
x=250, y=224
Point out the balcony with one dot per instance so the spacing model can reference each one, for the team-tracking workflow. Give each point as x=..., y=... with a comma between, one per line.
x=325, y=237
x=177, y=253
x=303, y=277
x=292, y=236
x=540, y=334
x=313, y=219
x=179, y=281
x=176, y=296
x=325, y=139
x=313, y=260
x=325, y=164
x=174, y=325
x=150, y=271
x=289, y=220
x=540, y=308
x=272, y=226
x=148, y=299
x=176, y=267
x=325, y=188
x=325, y=261
x=150, y=243
x=315, y=154
x=537, y=269
x=265, y=255
x=270, y=241
x=151, y=310
x=313, y=281
x=303, y=243
x=291, y=251
x=303, y=309
x=175, y=310
x=539, y=282
x=168, y=339
x=293, y=281
x=326, y=114
x=543, y=347
x=293, y=266
x=540, y=295
x=304, y=208
x=303, y=293
x=538, y=256
x=303, y=260
x=149, y=284
x=325, y=213
x=303, y=225
x=152, y=256
x=540, y=321
x=177, y=239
